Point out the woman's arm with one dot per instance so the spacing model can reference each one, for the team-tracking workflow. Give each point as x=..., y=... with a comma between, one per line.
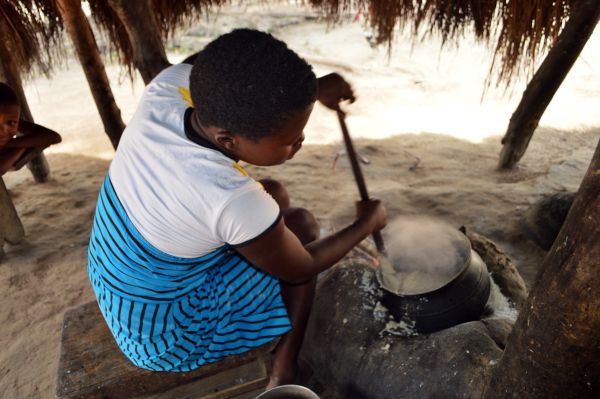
x=34, y=135
x=280, y=253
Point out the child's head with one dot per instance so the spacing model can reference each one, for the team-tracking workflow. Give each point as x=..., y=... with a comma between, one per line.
x=9, y=113
x=250, y=84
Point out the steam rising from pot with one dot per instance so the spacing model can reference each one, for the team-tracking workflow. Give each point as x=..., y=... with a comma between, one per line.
x=424, y=255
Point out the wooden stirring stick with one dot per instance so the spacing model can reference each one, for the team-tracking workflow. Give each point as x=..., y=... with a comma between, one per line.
x=358, y=176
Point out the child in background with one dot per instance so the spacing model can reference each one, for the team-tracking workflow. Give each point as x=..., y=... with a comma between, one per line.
x=191, y=260
x=20, y=140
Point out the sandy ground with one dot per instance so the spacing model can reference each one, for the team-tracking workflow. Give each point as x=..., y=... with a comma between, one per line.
x=432, y=146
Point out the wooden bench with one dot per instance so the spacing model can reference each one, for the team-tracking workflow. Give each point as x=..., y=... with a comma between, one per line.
x=92, y=366
x=11, y=229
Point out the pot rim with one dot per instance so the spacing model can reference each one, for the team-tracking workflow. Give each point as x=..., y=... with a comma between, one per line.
x=287, y=389
x=461, y=270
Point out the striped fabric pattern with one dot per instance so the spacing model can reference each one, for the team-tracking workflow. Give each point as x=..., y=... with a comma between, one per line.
x=176, y=314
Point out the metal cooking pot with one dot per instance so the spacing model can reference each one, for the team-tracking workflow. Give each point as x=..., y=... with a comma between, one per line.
x=288, y=392
x=462, y=298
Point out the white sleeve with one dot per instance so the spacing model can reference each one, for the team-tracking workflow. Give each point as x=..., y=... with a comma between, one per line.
x=247, y=216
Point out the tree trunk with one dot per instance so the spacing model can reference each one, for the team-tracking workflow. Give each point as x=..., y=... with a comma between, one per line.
x=547, y=80
x=554, y=350
x=9, y=73
x=142, y=28
x=11, y=228
x=89, y=56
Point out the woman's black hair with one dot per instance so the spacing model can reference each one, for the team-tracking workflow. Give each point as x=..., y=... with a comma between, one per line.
x=249, y=83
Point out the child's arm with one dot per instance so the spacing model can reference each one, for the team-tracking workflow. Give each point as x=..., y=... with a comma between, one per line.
x=34, y=135
x=8, y=158
x=280, y=253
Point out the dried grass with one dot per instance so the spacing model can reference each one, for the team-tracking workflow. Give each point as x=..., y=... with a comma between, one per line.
x=176, y=14
x=170, y=15
x=109, y=24
x=30, y=33
x=518, y=30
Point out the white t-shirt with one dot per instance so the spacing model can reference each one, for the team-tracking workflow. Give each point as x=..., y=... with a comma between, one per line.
x=186, y=199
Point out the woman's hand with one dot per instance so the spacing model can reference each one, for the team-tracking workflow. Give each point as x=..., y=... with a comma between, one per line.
x=332, y=90
x=373, y=212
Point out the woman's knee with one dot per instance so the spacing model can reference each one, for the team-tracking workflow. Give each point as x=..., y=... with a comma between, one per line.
x=303, y=224
x=278, y=192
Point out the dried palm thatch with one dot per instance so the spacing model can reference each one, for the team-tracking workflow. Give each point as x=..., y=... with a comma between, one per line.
x=175, y=14
x=170, y=15
x=519, y=30
x=117, y=41
x=31, y=30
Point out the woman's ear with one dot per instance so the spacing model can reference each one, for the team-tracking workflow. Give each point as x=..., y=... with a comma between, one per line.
x=226, y=139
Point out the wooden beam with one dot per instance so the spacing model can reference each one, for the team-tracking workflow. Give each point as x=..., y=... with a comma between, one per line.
x=11, y=228
x=142, y=28
x=547, y=80
x=554, y=349
x=89, y=56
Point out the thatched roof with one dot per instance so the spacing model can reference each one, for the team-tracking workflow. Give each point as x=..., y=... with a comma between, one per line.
x=31, y=31
x=170, y=15
x=518, y=30
x=36, y=27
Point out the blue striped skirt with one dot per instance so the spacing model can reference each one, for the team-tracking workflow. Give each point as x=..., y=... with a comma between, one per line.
x=176, y=314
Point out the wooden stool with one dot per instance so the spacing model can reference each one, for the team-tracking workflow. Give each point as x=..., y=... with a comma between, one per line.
x=92, y=366
x=11, y=229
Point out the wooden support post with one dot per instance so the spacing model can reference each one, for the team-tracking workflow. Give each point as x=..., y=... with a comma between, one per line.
x=89, y=56
x=554, y=349
x=142, y=28
x=547, y=80
x=9, y=73
x=11, y=229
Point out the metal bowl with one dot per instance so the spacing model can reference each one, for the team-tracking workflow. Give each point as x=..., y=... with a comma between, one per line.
x=288, y=392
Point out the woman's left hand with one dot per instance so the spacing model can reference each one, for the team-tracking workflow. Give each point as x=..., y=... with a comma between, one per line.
x=332, y=90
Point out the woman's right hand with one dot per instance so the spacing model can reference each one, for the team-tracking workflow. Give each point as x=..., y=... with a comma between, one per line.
x=333, y=88
x=373, y=213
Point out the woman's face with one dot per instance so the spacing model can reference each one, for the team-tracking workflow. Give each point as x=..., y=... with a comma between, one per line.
x=9, y=122
x=279, y=147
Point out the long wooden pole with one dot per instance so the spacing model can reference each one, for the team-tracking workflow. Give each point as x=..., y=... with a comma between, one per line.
x=11, y=228
x=89, y=56
x=9, y=73
x=547, y=80
x=554, y=349
x=358, y=176
x=142, y=28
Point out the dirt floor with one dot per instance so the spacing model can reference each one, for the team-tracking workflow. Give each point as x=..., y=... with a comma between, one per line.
x=431, y=143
